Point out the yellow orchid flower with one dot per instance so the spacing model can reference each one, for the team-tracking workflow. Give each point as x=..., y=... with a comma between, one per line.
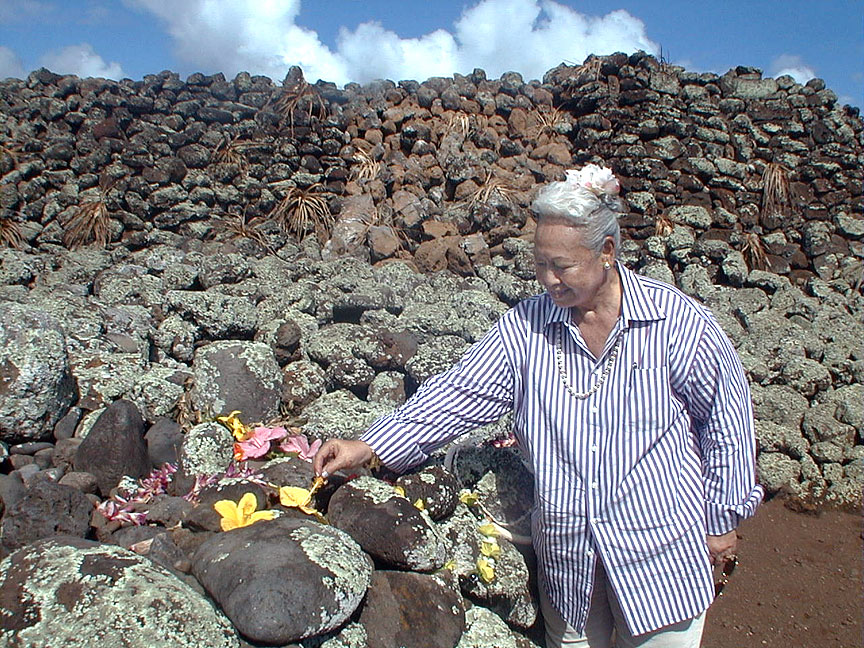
x=296, y=497
x=468, y=498
x=419, y=504
x=232, y=422
x=485, y=570
x=489, y=530
x=242, y=513
x=490, y=548
x=450, y=565
x=399, y=490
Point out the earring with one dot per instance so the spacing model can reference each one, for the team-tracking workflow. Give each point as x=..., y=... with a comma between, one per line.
x=606, y=265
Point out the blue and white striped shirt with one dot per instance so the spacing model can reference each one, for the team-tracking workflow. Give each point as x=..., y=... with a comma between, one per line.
x=636, y=474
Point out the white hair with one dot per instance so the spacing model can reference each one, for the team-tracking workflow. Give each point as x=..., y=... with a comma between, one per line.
x=587, y=198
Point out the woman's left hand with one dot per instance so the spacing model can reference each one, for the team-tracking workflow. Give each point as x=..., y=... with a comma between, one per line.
x=722, y=546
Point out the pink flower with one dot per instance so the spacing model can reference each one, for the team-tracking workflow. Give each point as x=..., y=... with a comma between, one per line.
x=258, y=443
x=300, y=444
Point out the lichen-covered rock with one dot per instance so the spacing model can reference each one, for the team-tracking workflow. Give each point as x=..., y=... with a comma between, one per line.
x=218, y=316
x=237, y=376
x=36, y=384
x=386, y=525
x=341, y=414
x=411, y=611
x=104, y=377
x=79, y=594
x=777, y=471
x=435, y=356
x=772, y=437
x=207, y=449
x=485, y=628
x=352, y=635
x=157, y=391
x=114, y=447
x=46, y=510
x=437, y=487
x=301, y=579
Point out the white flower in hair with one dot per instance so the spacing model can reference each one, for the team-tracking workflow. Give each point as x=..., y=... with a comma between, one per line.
x=598, y=180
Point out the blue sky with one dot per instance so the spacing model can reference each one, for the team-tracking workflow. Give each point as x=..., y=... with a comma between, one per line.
x=359, y=40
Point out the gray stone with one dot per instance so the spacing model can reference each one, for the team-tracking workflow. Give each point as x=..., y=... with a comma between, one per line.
x=218, y=316
x=157, y=391
x=772, y=437
x=115, y=447
x=691, y=215
x=411, y=611
x=777, y=471
x=386, y=525
x=435, y=486
x=341, y=414
x=305, y=578
x=80, y=594
x=485, y=628
x=47, y=510
x=164, y=440
x=207, y=449
x=436, y=356
x=36, y=383
x=237, y=376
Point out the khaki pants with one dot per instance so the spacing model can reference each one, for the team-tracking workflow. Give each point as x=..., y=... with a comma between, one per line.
x=605, y=616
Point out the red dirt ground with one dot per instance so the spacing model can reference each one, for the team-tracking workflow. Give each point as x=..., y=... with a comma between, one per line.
x=798, y=584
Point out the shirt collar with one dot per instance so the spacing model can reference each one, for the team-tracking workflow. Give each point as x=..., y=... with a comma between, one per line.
x=636, y=303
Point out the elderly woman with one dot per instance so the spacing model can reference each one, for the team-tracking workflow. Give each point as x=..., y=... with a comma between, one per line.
x=634, y=415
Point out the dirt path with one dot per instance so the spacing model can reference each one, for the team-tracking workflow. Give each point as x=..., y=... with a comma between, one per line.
x=798, y=585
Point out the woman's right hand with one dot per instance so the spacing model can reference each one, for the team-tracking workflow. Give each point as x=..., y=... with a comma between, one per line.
x=340, y=454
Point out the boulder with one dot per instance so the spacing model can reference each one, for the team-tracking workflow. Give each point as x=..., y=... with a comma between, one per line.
x=114, y=447
x=207, y=449
x=36, y=384
x=411, y=611
x=436, y=487
x=386, y=525
x=77, y=593
x=302, y=579
x=237, y=376
x=46, y=510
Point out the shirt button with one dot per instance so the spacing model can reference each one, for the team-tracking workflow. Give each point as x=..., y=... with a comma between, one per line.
x=594, y=485
x=589, y=552
x=593, y=447
x=595, y=520
x=595, y=409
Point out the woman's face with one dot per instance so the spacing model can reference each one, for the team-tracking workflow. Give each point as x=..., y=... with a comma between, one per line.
x=572, y=274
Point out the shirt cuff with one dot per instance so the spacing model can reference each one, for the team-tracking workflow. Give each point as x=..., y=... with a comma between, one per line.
x=723, y=518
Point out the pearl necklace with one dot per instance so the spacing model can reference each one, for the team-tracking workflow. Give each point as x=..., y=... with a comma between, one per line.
x=559, y=360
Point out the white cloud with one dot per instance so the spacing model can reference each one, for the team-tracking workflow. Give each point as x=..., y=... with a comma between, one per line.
x=82, y=61
x=262, y=37
x=18, y=10
x=792, y=65
x=10, y=64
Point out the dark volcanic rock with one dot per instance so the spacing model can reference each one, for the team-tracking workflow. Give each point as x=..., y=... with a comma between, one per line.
x=115, y=446
x=437, y=487
x=76, y=593
x=47, y=510
x=301, y=580
x=412, y=611
x=386, y=525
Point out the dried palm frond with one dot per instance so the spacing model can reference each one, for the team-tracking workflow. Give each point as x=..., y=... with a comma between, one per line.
x=10, y=232
x=184, y=411
x=459, y=122
x=231, y=151
x=367, y=167
x=754, y=251
x=491, y=186
x=548, y=120
x=299, y=95
x=775, y=191
x=663, y=225
x=301, y=208
x=90, y=221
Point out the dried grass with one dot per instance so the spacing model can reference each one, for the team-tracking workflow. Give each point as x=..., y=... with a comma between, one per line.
x=10, y=232
x=299, y=96
x=663, y=225
x=367, y=168
x=490, y=187
x=754, y=251
x=232, y=151
x=184, y=411
x=90, y=221
x=548, y=120
x=459, y=123
x=776, y=200
x=301, y=208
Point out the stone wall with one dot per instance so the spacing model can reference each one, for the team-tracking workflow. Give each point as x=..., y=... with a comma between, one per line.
x=745, y=192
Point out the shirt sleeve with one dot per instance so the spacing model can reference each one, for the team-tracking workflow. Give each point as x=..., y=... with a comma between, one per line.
x=476, y=391
x=718, y=398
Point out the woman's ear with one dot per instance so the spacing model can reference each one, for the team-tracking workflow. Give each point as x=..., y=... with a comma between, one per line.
x=608, y=251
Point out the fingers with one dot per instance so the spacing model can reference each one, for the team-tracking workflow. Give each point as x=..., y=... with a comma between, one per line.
x=324, y=458
x=339, y=454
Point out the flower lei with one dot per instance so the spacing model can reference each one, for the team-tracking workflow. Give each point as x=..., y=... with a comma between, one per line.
x=600, y=181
